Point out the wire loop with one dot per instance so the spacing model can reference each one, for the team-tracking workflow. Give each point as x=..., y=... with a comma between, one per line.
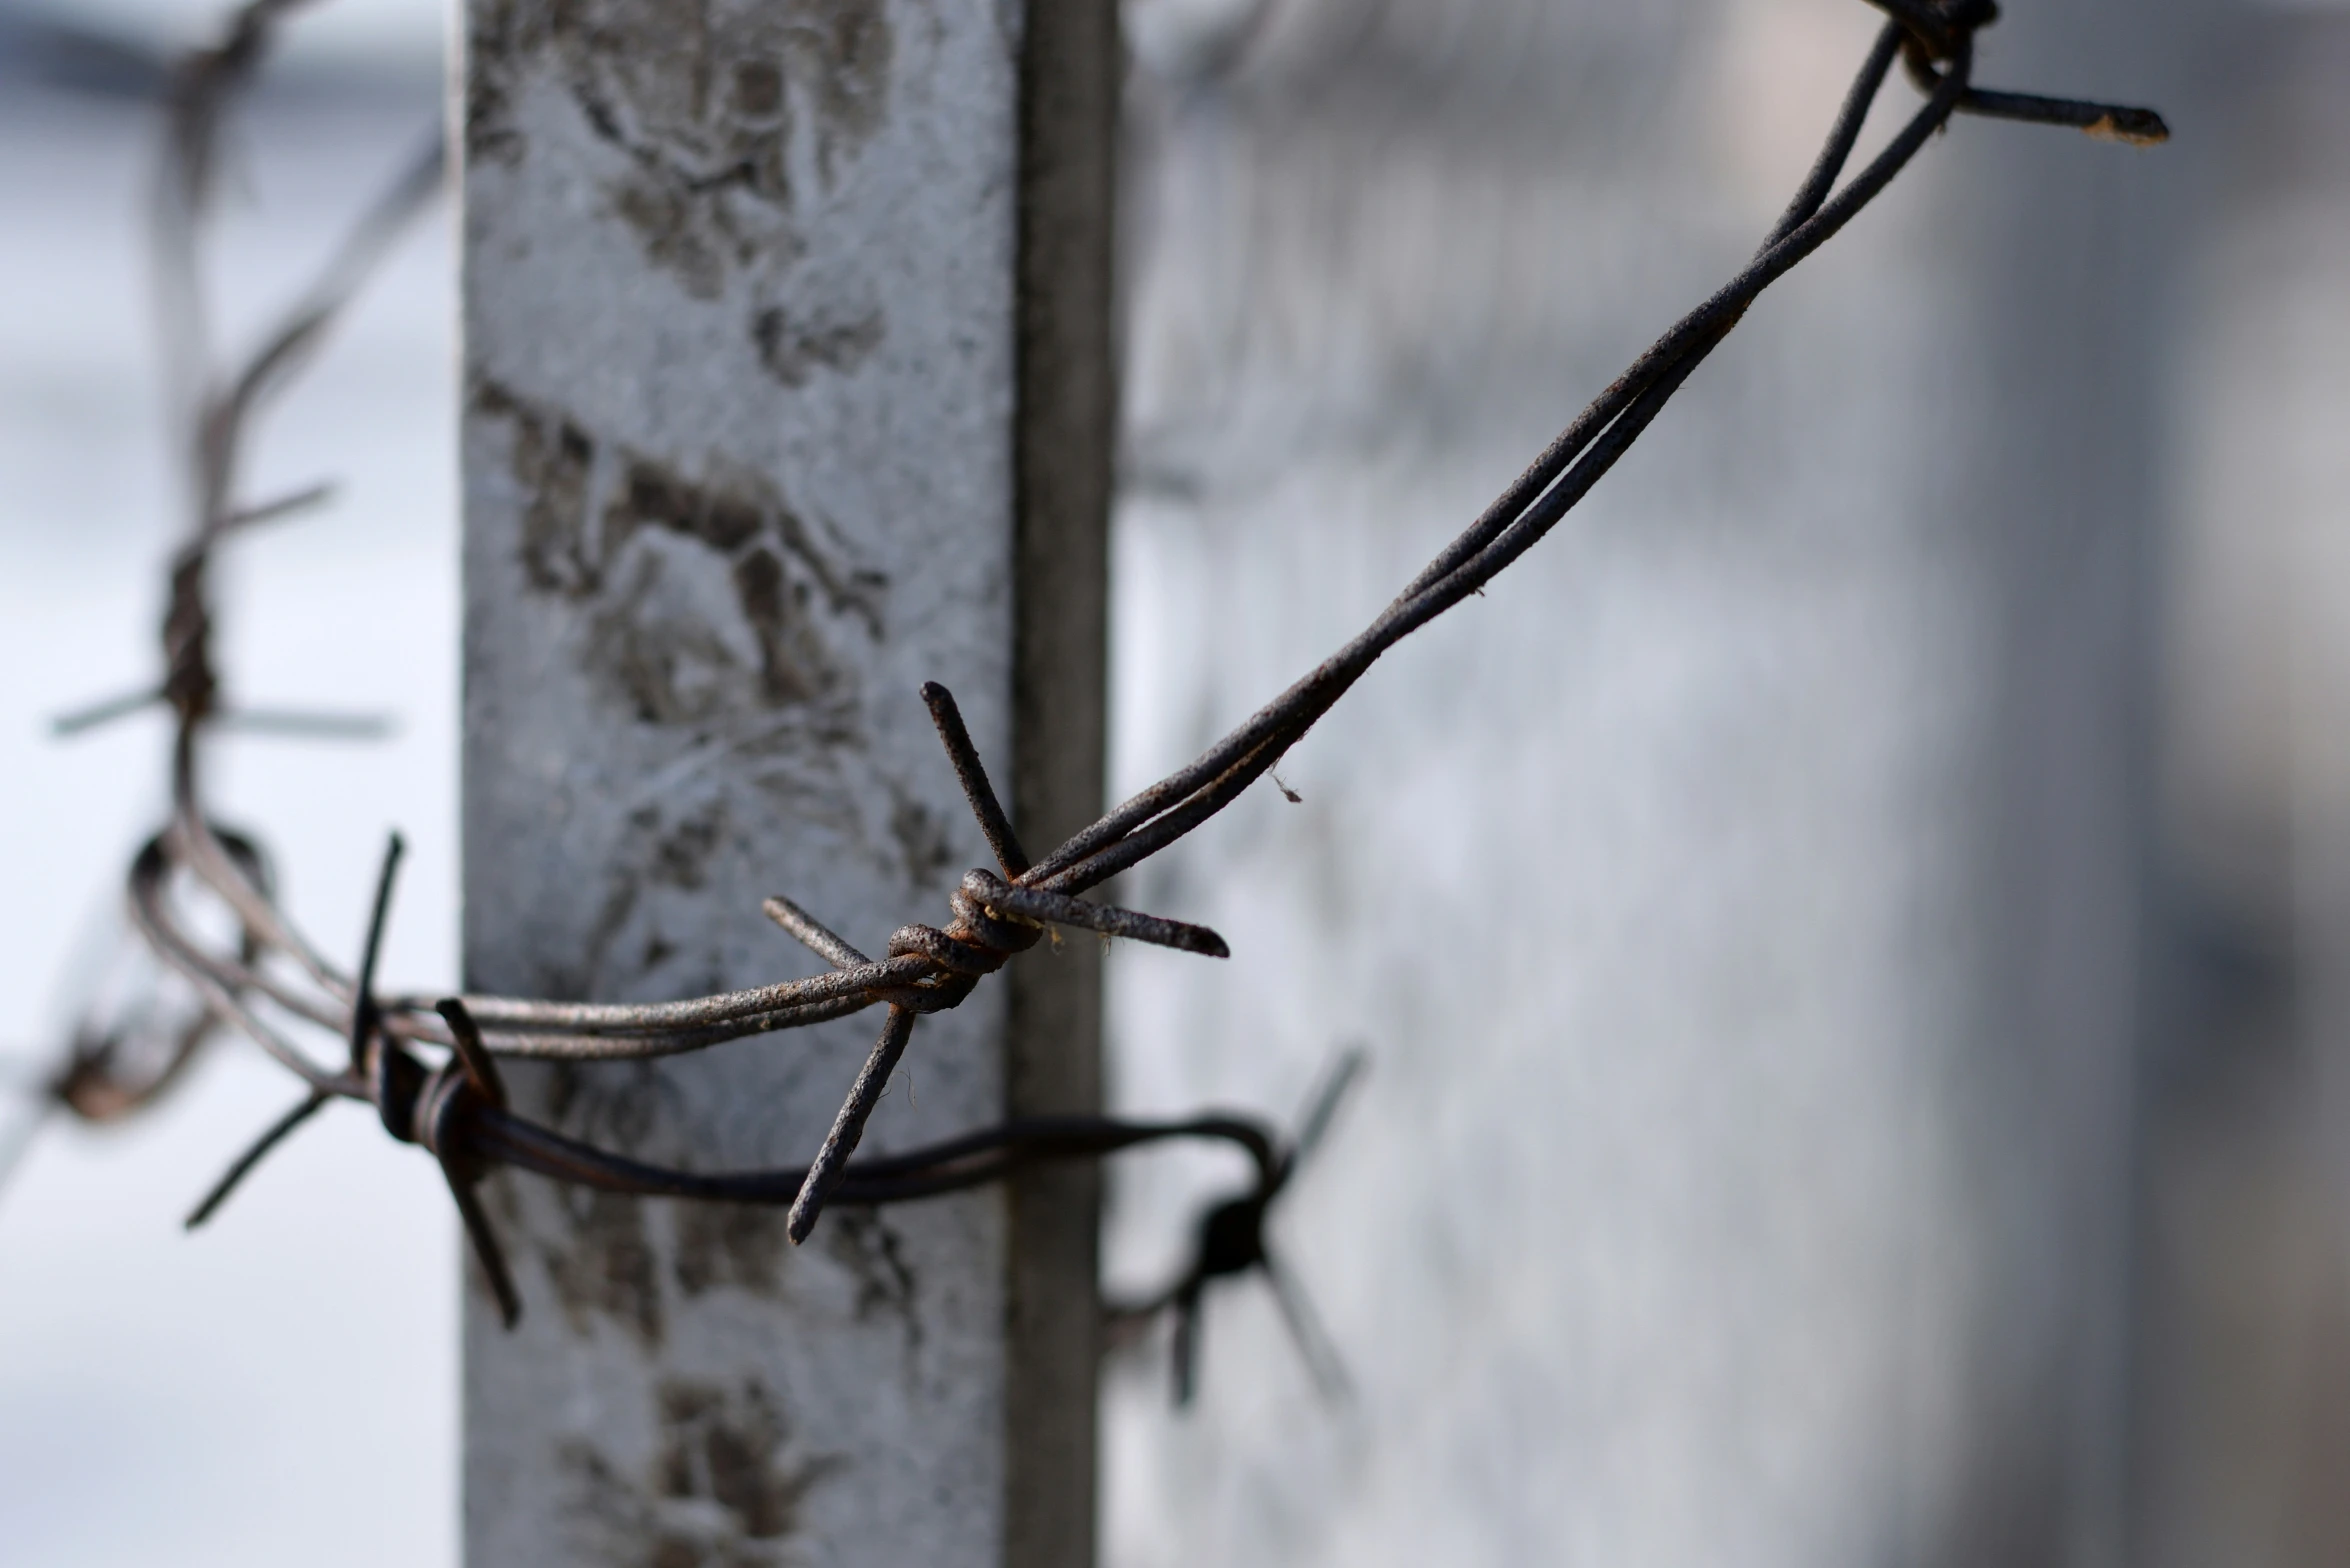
x=454, y=1105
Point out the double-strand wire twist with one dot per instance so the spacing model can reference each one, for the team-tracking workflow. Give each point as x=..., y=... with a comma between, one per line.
x=993, y=919
x=456, y=1109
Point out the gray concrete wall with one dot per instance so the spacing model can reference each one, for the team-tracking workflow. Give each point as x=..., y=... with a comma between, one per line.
x=1741, y=901
x=2246, y=1286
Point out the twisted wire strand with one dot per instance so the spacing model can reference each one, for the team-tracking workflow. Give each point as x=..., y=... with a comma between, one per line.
x=450, y=1100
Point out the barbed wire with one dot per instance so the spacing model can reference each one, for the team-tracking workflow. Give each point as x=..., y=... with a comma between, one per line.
x=428, y=1065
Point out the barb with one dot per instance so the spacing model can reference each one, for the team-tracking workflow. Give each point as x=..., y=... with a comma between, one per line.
x=305, y=1108
x=1231, y=1241
x=427, y=1065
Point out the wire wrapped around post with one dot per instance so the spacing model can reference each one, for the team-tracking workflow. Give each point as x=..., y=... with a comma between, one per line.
x=427, y=1065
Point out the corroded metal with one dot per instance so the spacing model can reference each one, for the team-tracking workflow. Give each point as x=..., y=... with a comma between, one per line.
x=427, y=1064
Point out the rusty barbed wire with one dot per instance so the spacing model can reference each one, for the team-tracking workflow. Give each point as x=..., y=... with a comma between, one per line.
x=427, y=1065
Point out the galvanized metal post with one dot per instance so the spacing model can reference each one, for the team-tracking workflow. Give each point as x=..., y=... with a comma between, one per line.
x=786, y=389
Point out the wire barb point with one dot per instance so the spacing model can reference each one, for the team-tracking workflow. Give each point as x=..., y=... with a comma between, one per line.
x=274, y=1134
x=848, y=1128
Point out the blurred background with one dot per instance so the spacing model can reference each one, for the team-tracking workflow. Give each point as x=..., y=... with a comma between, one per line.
x=1853, y=932
x=226, y=1398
